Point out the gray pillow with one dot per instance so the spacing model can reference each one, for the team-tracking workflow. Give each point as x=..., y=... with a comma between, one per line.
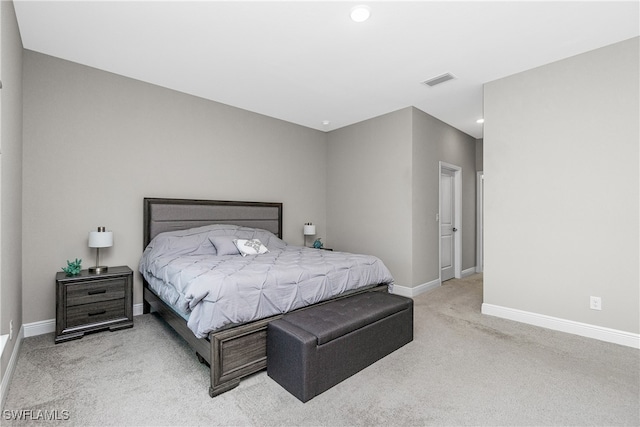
x=224, y=245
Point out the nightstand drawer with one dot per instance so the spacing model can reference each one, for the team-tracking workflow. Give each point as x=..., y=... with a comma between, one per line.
x=95, y=291
x=97, y=312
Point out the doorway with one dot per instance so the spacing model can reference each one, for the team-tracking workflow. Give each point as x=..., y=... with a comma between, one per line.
x=450, y=214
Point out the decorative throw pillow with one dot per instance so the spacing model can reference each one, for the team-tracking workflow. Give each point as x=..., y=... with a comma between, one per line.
x=250, y=247
x=224, y=245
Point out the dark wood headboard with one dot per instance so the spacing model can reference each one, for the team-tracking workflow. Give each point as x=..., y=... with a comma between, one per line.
x=162, y=215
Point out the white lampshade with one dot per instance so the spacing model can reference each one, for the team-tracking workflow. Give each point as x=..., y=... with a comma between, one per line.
x=309, y=230
x=100, y=239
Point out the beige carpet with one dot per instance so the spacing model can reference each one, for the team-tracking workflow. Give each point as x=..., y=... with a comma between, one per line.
x=462, y=368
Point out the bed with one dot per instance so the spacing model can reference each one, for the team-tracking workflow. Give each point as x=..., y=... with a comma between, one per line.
x=233, y=348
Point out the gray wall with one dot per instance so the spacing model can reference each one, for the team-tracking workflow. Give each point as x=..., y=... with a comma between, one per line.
x=10, y=177
x=369, y=190
x=382, y=194
x=95, y=144
x=562, y=191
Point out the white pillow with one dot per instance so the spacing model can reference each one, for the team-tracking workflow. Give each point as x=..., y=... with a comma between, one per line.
x=250, y=247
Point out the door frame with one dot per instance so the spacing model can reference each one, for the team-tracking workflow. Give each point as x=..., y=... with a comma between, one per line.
x=479, y=221
x=457, y=218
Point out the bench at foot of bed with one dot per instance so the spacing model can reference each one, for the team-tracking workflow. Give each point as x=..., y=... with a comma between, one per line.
x=312, y=350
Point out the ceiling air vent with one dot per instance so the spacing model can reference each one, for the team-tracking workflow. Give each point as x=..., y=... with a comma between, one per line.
x=439, y=79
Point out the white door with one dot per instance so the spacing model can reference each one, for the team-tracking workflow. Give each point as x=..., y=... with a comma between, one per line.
x=447, y=224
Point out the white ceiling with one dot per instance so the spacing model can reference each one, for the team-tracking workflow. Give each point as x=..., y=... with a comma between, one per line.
x=307, y=62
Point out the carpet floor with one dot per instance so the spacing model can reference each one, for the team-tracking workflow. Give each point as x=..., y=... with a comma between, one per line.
x=463, y=368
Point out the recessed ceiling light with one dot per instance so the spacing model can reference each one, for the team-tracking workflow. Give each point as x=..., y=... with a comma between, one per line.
x=480, y=121
x=360, y=13
x=326, y=122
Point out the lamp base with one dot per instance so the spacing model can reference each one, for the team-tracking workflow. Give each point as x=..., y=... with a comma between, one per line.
x=98, y=269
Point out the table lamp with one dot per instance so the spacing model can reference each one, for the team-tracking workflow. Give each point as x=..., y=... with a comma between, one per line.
x=309, y=230
x=100, y=239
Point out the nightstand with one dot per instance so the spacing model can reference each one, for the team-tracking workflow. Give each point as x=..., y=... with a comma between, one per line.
x=92, y=302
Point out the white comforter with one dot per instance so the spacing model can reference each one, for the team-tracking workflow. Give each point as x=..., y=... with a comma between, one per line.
x=217, y=291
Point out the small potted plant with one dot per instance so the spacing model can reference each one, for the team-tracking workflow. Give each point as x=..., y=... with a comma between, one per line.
x=73, y=267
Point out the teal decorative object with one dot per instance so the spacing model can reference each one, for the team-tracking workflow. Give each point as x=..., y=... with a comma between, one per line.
x=317, y=244
x=73, y=268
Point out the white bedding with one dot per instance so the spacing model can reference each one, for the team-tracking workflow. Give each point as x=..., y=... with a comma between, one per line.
x=215, y=291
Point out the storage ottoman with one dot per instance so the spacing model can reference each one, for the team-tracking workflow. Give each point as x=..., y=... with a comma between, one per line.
x=311, y=350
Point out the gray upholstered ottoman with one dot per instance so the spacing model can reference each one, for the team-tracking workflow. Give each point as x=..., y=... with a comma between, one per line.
x=310, y=351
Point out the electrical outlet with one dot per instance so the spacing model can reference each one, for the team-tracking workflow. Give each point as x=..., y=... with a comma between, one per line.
x=595, y=303
x=10, y=330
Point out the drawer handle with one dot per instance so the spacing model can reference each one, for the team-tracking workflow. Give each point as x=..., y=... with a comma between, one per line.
x=95, y=313
x=100, y=291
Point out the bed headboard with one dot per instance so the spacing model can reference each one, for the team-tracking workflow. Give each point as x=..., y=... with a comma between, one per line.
x=178, y=214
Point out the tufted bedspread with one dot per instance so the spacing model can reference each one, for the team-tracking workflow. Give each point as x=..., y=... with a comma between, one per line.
x=216, y=291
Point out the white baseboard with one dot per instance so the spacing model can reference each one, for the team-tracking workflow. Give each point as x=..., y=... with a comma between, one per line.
x=137, y=309
x=49, y=326
x=468, y=272
x=563, y=325
x=11, y=367
x=39, y=328
x=406, y=291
